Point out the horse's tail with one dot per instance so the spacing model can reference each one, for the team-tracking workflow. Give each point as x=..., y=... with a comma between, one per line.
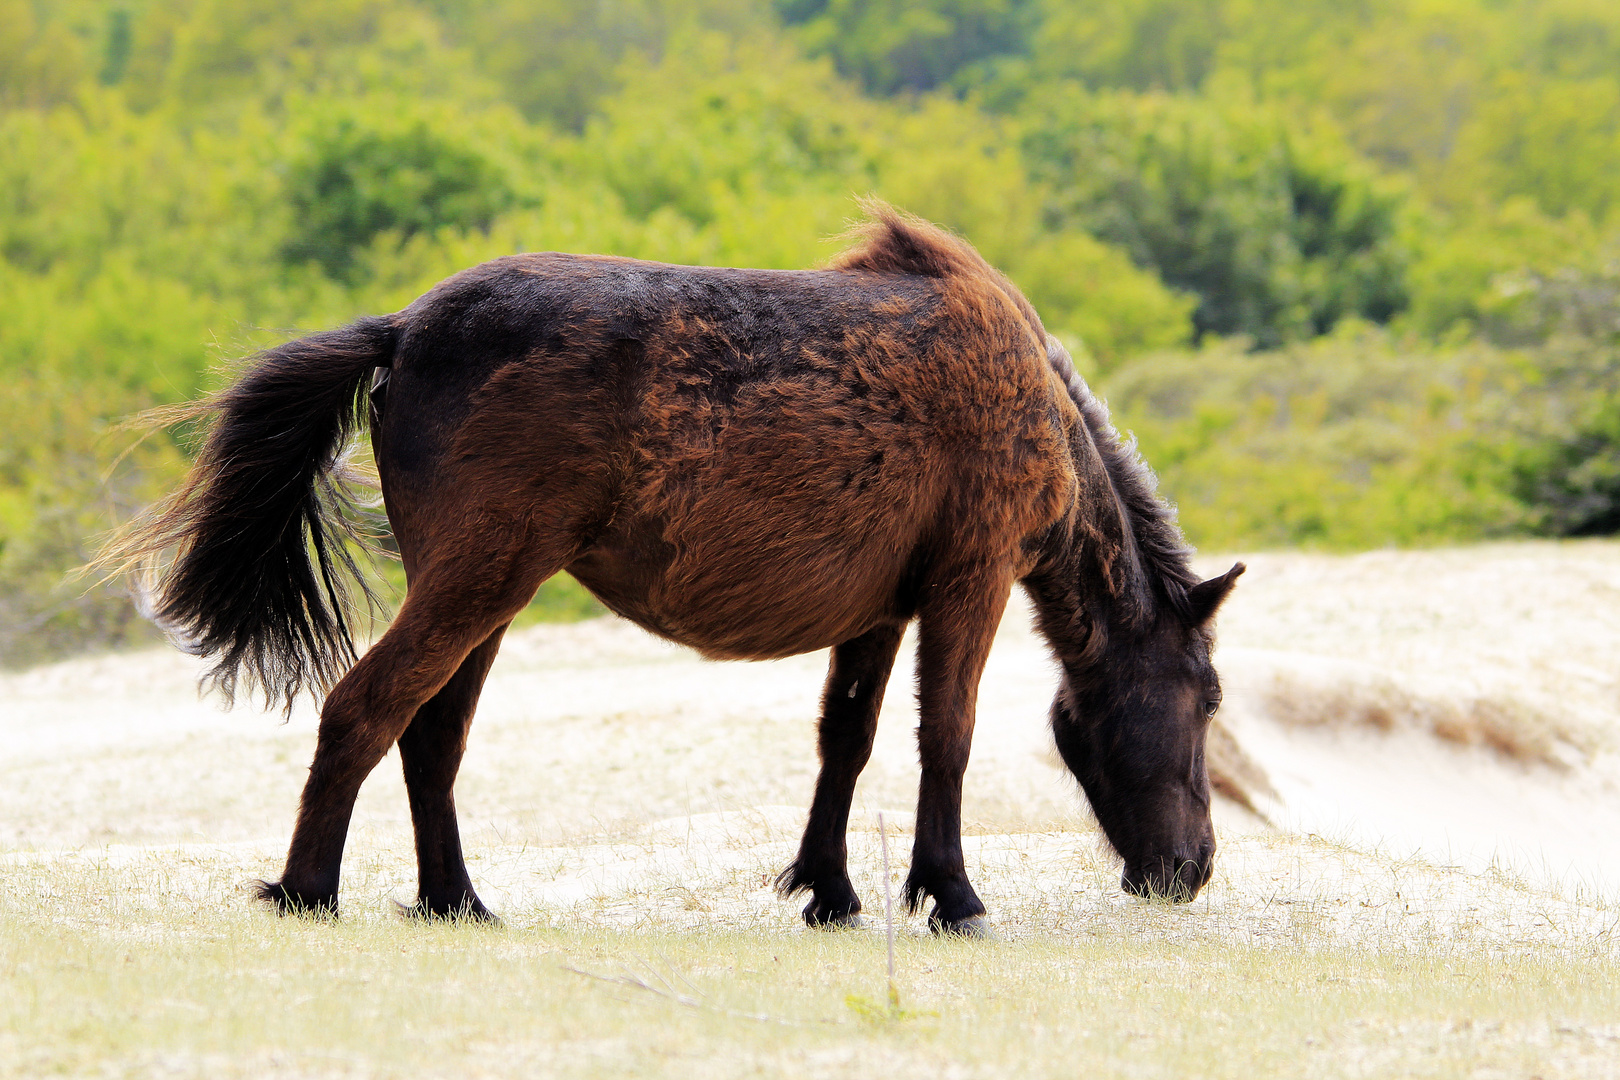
x=264, y=528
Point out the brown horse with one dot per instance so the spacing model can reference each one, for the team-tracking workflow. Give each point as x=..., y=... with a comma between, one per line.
x=753, y=463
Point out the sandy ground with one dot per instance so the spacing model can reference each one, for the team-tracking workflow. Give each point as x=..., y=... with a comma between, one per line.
x=1462, y=705
x=1437, y=734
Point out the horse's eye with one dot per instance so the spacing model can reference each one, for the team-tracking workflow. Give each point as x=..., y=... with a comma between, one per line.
x=1211, y=707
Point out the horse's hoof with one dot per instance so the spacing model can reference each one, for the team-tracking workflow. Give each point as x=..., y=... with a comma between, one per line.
x=974, y=927
x=826, y=917
x=471, y=912
x=287, y=902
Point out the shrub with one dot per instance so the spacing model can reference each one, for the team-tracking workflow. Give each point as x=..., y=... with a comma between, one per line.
x=357, y=181
x=1279, y=234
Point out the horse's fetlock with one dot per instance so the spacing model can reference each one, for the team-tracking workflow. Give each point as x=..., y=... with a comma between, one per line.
x=792, y=880
x=462, y=908
x=916, y=890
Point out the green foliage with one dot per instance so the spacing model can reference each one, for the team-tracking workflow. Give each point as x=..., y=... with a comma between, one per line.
x=1352, y=441
x=1476, y=101
x=560, y=599
x=720, y=121
x=1571, y=481
x=1104, y=306
x=1562, y=444
x=115, y=55
x=63, y=477
x=557, y=59
x=42, y=63
x=1279, y=234
x=1131, y=44
x=749, y=155
x=211, y=57
x=894, y=45
x=186, y=182
x=1458, y=273
x=357, y=181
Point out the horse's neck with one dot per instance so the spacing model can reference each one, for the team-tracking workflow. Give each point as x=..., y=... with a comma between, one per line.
x=1092, y=583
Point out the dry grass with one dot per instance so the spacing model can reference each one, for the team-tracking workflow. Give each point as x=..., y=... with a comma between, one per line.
x=151, y=963
x=626, y=807
x=1345, y=695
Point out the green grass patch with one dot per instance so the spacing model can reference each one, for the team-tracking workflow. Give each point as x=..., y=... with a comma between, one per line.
x=205, y=983
x=560, y=599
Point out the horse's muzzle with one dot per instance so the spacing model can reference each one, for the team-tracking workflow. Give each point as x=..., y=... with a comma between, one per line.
x=1174, y=879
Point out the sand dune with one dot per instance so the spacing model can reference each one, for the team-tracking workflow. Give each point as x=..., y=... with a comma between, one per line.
x=1460, y=704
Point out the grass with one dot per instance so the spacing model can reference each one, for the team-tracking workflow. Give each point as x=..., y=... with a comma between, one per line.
x=112, y=969
x=559, y=599
x=625, y=808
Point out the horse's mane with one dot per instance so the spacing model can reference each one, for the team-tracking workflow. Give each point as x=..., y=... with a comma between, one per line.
x=1161, y=549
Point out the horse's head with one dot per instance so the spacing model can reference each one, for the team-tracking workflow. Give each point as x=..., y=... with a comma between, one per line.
x=1132, y=725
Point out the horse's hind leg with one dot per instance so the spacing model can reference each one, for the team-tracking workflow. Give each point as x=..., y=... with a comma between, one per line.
x=430, y=752
x=957, y=624
x=449, y=611
x=856, y=678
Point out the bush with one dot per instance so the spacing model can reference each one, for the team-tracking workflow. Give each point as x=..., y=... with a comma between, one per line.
x=64, y=477
x=1278, y=234
x=1353, y=441
x=357, y=181
x=1570, y=482
x=896, y=45
x=1562, y=440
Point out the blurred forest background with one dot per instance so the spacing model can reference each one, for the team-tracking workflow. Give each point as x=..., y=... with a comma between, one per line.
x=1349, y=269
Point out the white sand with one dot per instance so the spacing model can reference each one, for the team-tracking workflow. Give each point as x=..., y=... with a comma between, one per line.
x=1372, y=689
x=1448, y=709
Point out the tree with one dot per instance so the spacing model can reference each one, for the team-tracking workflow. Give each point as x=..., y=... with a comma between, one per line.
x=357, y=181
x=1278, y=233
x=907, y=45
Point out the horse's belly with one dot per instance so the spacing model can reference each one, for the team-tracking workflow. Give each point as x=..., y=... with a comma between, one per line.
x=749, y=602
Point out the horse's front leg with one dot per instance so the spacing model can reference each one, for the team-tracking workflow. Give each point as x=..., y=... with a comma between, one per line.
x=850, y=702
x=958, y=619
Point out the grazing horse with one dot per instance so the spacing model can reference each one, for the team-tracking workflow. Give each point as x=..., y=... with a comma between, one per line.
x=754, y=463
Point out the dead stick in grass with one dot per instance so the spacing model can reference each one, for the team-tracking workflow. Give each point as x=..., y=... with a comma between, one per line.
x=888, y=909
x=636, y=982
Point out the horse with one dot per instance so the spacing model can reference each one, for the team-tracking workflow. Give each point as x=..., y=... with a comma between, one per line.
x=753, y=463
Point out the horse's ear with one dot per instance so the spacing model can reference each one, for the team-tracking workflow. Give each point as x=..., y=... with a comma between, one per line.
x=1204, y=598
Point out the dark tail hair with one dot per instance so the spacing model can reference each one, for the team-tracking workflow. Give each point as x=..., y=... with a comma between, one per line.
x=264, y=527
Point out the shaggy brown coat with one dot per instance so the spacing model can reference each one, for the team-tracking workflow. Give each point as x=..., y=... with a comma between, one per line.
x=753, y=463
